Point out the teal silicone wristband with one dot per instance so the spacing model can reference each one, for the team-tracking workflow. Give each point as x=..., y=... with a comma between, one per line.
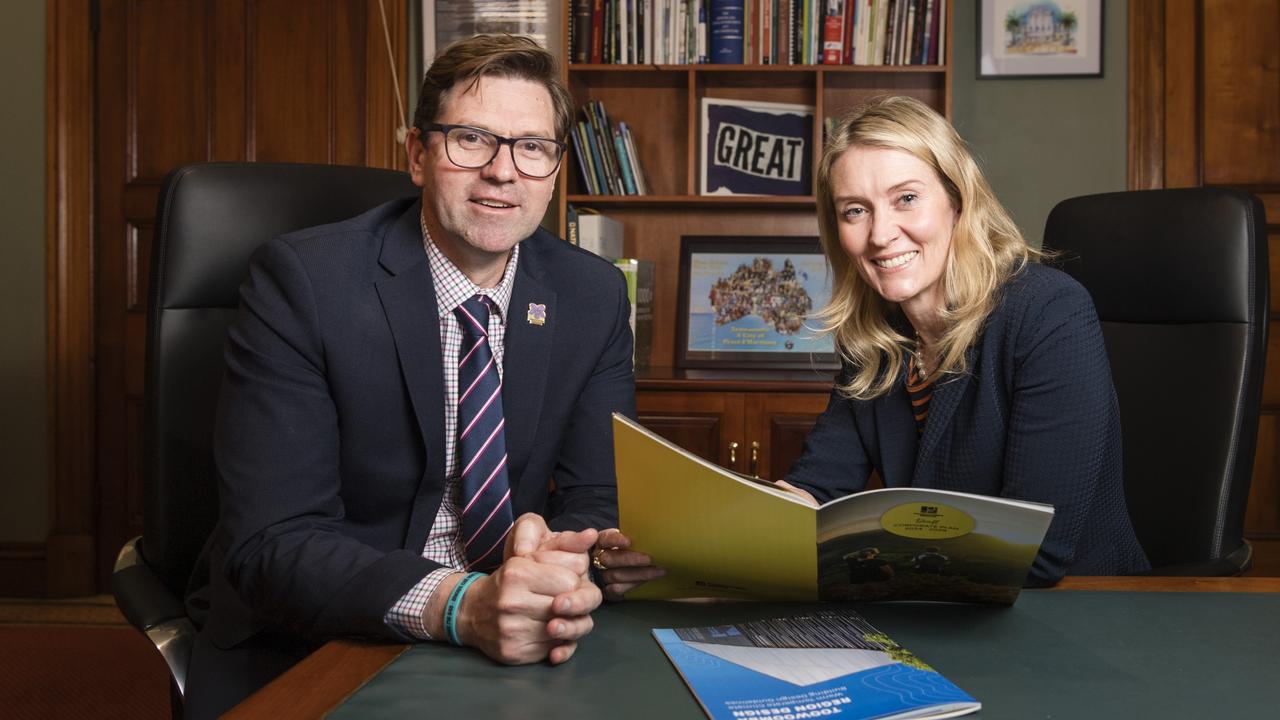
x=452, y=605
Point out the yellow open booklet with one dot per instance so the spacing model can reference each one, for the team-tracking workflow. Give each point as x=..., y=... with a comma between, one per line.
x=718, y=534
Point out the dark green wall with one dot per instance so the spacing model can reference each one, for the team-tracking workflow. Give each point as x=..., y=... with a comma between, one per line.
x=1044, y=140
x=23, y=417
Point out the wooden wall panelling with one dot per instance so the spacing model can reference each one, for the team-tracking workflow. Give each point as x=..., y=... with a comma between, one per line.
x=291, y=116
x=1183, y=51
x=230, y=138
x=1241, y=93
x=382, y=114
x=166, y=48
x=1204, y=109
x=1146, y=94
x=67, y=559
x=22, y=569
x=201, y=80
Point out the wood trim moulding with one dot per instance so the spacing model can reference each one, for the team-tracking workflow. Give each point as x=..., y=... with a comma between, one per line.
x=1146, y=94
x=69, y=122
x=22, y=569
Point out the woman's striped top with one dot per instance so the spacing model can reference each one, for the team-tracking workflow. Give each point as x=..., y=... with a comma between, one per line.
x=920, y=390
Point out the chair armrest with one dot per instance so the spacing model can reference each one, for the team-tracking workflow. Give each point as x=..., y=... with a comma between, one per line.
x=151, y=607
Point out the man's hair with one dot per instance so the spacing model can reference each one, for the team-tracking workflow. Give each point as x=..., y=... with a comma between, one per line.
x=986, y=246
x=506, y=56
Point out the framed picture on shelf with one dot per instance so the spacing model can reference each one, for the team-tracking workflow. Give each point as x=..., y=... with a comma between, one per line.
x=1047, y=38
x=746, y=302
x=755, y=148
x=444, y=21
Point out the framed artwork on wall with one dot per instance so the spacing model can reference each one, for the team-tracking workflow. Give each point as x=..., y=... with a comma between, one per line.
x=746, y=302
x=1039, y=38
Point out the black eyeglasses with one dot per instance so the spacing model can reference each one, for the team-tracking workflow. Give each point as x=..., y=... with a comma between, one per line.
x=471, y=148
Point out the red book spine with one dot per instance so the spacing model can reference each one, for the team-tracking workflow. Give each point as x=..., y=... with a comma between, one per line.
x=832, y=34
x=597, y=32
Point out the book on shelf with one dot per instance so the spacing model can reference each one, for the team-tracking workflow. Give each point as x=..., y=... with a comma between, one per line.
x=824, y=663
x=721, y=534
x=599, y=234
x=750, y=147
x=833, y=33
x=633, y=159
x=607, y=156
x=571, y=224
x=639, y=276
x=580, y=31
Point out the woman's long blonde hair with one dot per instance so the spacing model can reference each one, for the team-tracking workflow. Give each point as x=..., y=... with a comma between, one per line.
x=986, y=247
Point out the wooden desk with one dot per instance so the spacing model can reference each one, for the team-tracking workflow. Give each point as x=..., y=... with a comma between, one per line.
x=330, y=675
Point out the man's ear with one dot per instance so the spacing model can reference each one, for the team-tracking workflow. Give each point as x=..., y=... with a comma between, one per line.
x=416, y=152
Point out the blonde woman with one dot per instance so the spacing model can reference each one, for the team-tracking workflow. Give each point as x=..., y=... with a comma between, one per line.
x=966, y=365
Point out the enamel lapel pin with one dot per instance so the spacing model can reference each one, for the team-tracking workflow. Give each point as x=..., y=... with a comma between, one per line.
x=537, y=314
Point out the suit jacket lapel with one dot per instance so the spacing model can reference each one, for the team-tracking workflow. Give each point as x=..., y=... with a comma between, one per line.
x=899, y=445
x=409, y=300
x=946, y=398
x=527, y=359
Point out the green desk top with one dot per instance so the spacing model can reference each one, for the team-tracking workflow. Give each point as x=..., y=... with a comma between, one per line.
x=1052, y=655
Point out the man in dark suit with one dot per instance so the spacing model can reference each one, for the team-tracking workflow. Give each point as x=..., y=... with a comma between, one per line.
x=410, y=393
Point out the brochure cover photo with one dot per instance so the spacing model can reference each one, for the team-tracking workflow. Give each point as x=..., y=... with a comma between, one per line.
x=756, y=148
x=719, y=534
x=829, y=663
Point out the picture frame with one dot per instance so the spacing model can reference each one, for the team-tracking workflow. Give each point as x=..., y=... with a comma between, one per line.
x=444, y=21
x=755, y=147
x=1041, y=39
x=745, y=302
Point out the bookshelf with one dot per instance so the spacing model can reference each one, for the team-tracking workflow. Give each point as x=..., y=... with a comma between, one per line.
x=709, y=411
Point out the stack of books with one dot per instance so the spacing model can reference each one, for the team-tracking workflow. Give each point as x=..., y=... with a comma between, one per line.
x=607, y=158
x=759, y=32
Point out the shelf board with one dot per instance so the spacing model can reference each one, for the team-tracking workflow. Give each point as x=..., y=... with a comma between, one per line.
x=712, y=68
x=693, y=201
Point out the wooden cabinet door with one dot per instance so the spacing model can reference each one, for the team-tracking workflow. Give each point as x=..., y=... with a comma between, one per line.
x=705, y=423
x=777, y=424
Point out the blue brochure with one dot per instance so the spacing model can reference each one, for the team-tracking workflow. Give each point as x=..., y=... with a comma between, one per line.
x=831, y=663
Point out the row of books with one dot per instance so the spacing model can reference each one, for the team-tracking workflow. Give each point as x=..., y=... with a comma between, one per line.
x=763, y=32
x=884, y=32
x=607, y=158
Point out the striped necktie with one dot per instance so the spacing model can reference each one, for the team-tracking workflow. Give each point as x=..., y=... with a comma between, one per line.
x=482, y=449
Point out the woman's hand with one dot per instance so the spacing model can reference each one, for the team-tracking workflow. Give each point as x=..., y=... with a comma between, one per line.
x=802, y=494
x=620, y=568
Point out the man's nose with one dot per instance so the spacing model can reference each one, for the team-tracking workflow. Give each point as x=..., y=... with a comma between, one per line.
x=502, y=168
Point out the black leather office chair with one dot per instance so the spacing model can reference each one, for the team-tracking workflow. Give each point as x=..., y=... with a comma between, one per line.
x=1179, y=278
x=209, y=220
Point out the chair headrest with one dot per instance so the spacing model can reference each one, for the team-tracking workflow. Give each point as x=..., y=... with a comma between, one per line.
x=1162, y=256
x=213, y=216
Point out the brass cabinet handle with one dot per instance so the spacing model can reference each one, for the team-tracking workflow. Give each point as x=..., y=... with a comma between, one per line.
x=755, y=459
x=733, y=453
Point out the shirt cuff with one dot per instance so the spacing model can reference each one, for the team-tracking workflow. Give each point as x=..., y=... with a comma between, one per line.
x=406, y=614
